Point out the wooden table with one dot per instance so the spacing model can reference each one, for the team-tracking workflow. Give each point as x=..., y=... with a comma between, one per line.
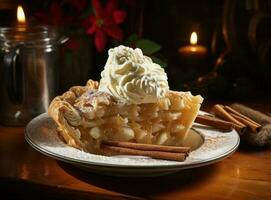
x=25, y=173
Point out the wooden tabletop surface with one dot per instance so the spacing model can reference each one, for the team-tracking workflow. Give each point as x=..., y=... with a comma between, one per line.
x=26, y=173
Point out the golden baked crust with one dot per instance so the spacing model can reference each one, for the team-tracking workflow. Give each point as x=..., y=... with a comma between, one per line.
x=61, y=110
x=86, y=116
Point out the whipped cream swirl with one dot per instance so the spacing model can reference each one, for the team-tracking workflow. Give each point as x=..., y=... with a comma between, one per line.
x=131, y=77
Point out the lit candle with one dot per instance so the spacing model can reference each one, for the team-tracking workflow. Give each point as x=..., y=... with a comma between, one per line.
x=193, y=49
x=21, y=25
x=193, y=59
x=20, y=15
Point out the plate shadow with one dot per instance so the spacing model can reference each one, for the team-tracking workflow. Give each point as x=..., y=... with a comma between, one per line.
x=144, y=187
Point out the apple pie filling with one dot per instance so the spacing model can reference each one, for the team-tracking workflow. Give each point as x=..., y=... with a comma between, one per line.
x=86, y=116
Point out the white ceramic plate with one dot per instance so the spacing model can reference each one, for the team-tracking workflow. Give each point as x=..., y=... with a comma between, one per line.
x=211, y=146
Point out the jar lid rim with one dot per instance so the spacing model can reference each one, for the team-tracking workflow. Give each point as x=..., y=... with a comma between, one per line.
x=39, y=35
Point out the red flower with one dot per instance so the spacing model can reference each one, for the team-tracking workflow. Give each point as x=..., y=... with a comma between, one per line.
x=105, y=22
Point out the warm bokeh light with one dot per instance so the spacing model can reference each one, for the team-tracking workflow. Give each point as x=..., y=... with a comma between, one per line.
x=194, y=38
x=20, y=14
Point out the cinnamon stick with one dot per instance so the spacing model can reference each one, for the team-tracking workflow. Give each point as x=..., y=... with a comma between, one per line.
x=214, y=122
x=254, y=127
x=251, y=121
x=222, y=113
x=151, y=147
x=114, y=150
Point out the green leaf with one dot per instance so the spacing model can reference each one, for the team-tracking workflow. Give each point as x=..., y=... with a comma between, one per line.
x=159, y=62
x=131, y=39
x=147, y=46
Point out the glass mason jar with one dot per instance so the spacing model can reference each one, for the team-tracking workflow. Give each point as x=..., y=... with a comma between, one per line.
x=28, y=70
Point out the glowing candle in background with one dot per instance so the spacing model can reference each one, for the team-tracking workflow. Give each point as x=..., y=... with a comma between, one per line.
x=193, y=49
x=20, y=15
x=194, y=38
x=21, y=25
x=193, y=59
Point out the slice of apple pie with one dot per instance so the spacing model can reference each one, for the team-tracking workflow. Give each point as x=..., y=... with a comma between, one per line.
x=87, y=116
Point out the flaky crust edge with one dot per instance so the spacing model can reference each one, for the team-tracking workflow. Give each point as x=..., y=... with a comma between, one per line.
x=63, y=104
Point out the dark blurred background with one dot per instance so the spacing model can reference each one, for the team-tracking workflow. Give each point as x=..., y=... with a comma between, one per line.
x=236, y=34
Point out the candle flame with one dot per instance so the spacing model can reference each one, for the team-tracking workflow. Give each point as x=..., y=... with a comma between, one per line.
x=194, y=38
x=20, y=14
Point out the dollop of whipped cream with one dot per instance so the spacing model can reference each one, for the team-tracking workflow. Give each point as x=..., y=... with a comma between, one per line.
x=131, y=77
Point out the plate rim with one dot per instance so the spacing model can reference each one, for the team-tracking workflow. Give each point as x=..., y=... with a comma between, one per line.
x=86, y=163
